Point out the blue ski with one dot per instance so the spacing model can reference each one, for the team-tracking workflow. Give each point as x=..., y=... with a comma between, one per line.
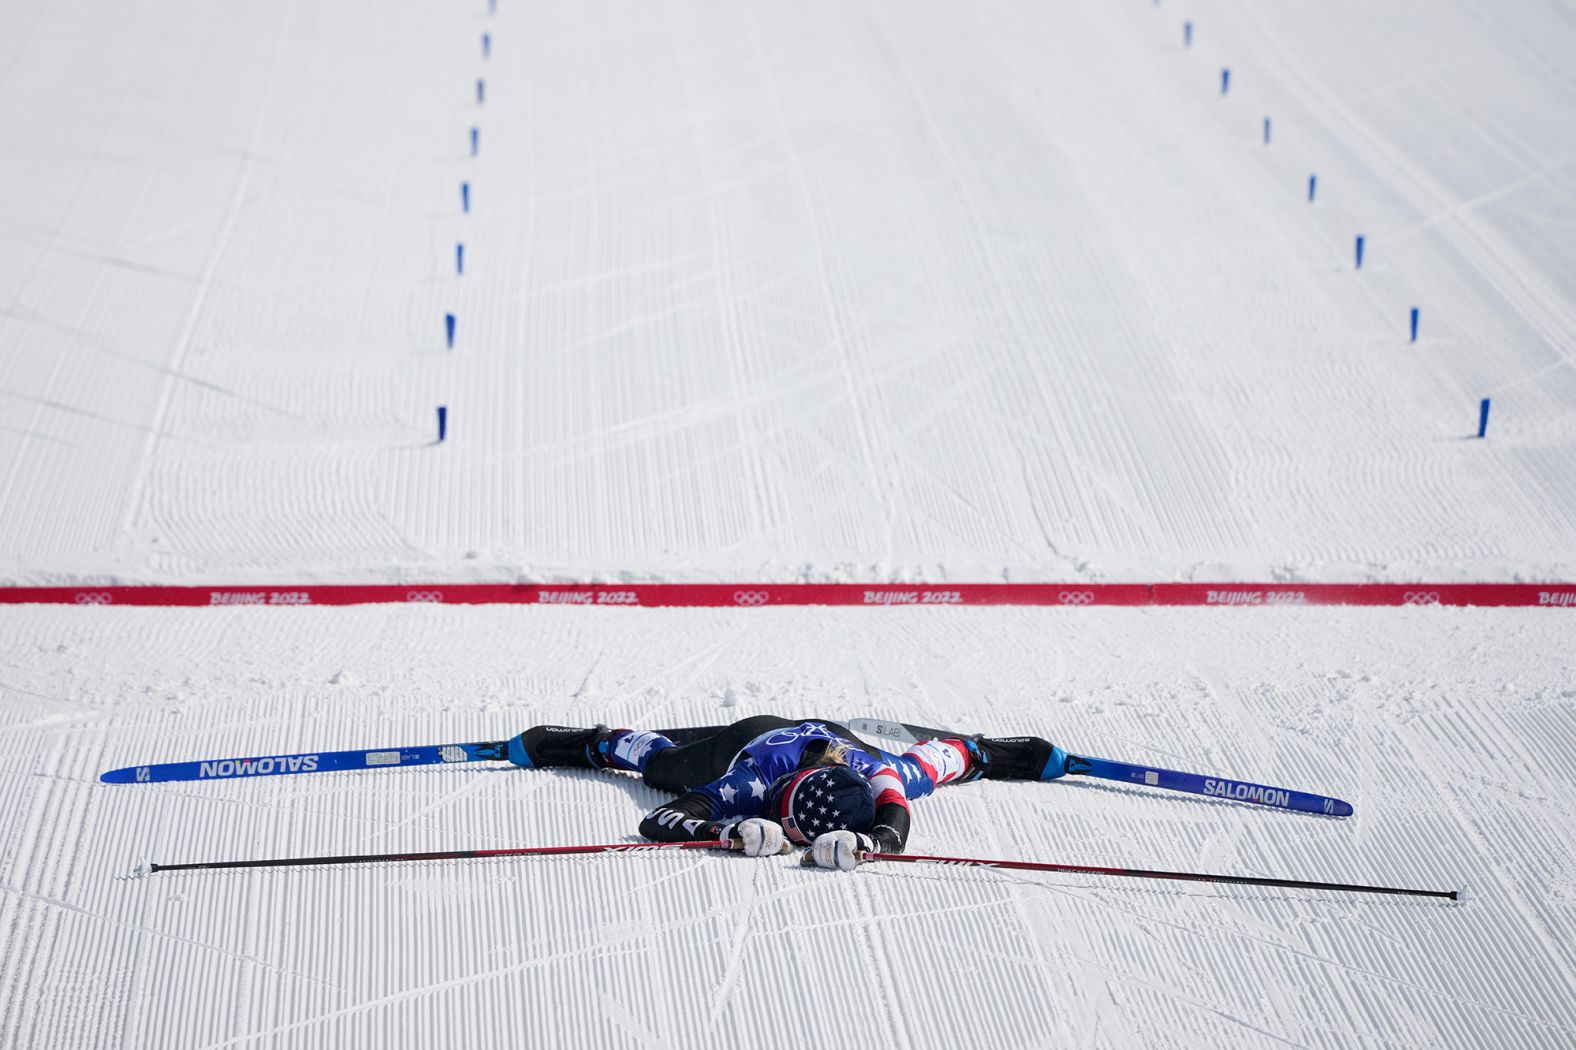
x=1148, y=776
x=1215, y=787
x=336, y=761
x=312, y=762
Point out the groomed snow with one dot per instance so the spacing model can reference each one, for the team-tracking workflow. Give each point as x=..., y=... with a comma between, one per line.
x=821, y=290
x=1449, y=730
x=816, y=291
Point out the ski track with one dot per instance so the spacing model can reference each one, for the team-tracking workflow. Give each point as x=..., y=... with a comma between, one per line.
x=825, y=292
x=828, y=291
x=1455, y=785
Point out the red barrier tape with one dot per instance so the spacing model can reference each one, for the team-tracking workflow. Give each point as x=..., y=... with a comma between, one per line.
x=656, y=595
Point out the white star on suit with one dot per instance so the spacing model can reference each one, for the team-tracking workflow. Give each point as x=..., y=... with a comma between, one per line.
x=727, y=791
x=757, y=789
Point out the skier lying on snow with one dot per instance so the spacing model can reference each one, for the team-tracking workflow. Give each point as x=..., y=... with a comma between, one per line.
x=764, y=778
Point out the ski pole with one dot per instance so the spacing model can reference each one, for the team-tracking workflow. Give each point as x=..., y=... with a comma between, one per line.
x=1142, y=873
x=461, y=854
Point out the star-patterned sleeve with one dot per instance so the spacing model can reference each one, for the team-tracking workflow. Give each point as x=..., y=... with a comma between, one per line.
x=710, y=811
x=889, y=830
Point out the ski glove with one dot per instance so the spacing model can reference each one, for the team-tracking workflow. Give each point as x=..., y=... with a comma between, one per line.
x=761, y=837
x=840, y=849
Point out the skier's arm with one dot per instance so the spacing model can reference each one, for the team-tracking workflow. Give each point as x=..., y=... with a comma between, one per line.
x=688, y=818
x=711, y=811
x=889, y=831
x=889, y=834
x=915, y=774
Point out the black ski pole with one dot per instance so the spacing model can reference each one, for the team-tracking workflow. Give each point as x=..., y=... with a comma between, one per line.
x=461, y=854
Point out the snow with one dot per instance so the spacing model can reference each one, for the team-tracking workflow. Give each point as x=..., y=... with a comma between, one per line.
x=822, y=291
x=815, y=293
x=1450, y=730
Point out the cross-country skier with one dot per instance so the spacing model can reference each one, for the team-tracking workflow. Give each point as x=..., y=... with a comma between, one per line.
x=763, y=778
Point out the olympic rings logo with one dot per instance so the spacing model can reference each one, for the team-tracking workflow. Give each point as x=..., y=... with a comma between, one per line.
x=435, y=597
x=1076, y=597
x=94, y=598
x=750, y=597
x=1421, y=598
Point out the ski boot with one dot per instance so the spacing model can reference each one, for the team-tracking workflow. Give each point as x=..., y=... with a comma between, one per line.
x=541, y=747
x=1014, y=758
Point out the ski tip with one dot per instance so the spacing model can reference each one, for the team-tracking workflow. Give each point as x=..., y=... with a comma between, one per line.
x=1341, y=809
x=119, y=776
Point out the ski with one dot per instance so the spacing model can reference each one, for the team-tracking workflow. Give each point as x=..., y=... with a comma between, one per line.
x=1146, y=776
x=310, y=762
x=335, y=761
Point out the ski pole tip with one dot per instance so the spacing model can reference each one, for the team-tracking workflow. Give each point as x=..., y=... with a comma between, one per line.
x=1463, y=894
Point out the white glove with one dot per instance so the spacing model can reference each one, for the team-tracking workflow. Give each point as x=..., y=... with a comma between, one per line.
x=839, y=849
x=762, y=837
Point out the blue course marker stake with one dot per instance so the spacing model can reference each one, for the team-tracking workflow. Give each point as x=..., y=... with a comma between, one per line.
x=1225, y=81
x=476, y=134
x=1187, y=34
x=465, y=197
x=492, y=7
x=459, y=258
x=443, y=422
x=1414, y=324
x=1483, y=418
x=486, y=45
x=1360, y=240
x=448, y=328
x=1266, y=131
x=481, y=91
x=1313, y=186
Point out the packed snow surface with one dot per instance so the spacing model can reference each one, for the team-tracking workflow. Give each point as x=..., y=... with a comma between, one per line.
x=813, y=291
x=1454, y=745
